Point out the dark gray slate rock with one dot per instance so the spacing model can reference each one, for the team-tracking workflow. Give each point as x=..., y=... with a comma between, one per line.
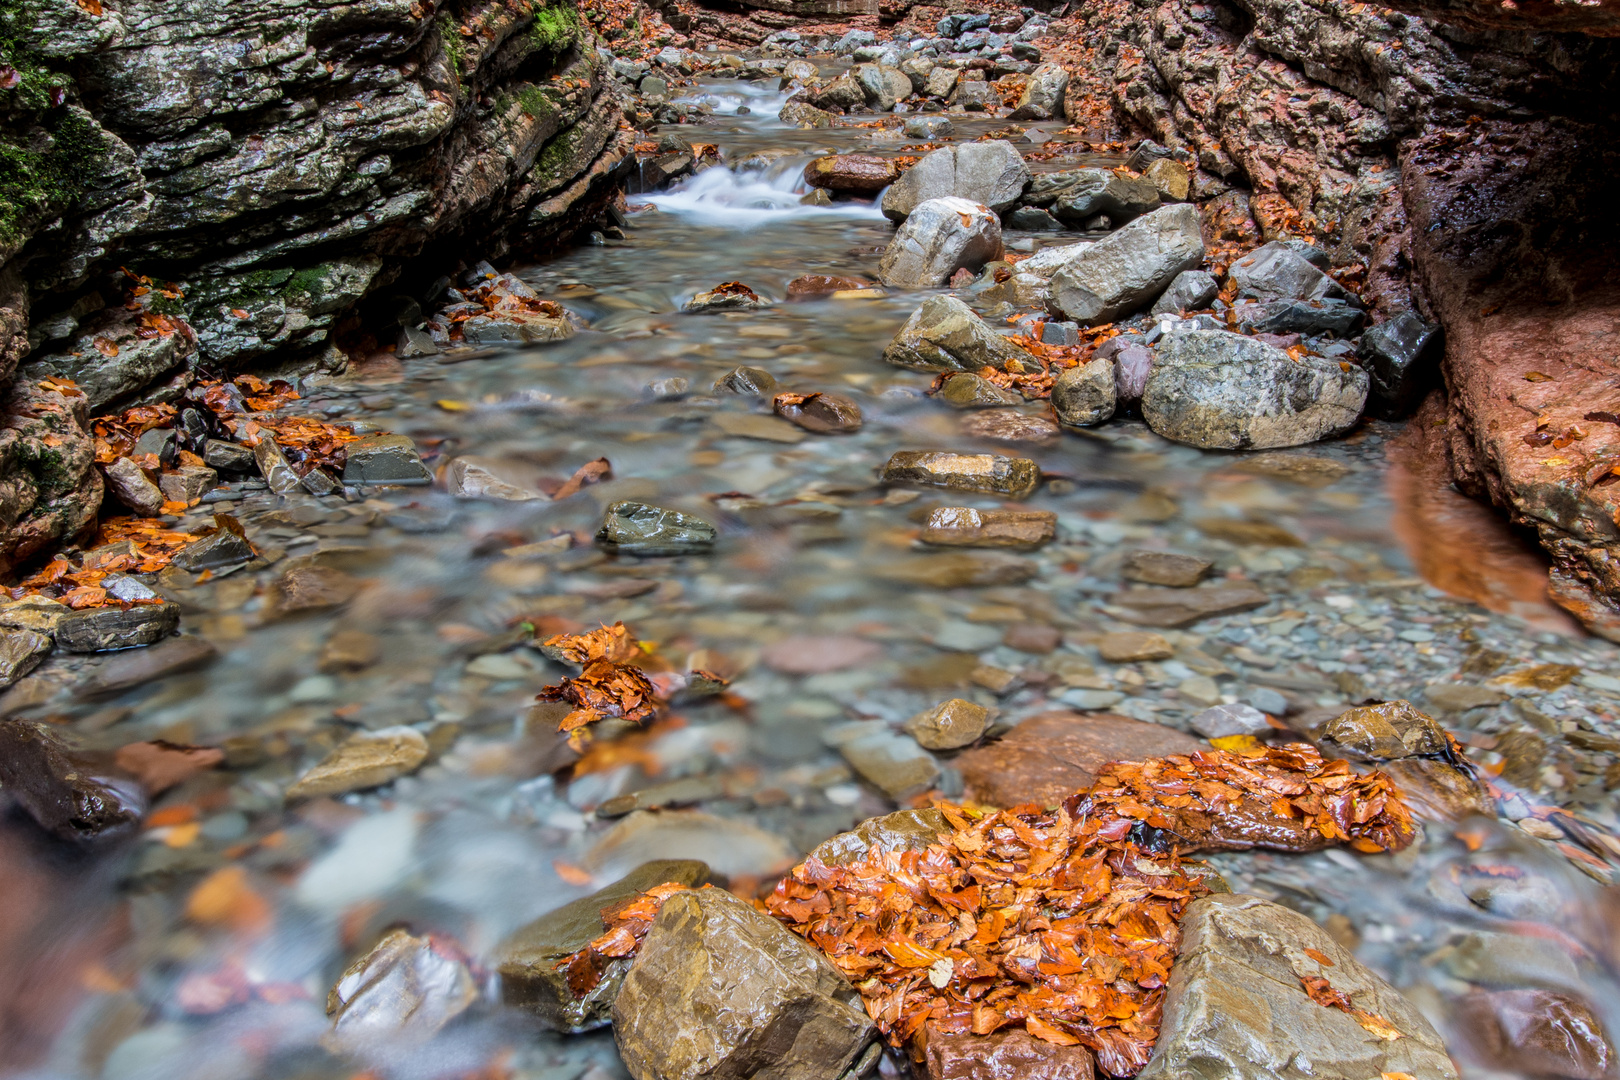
x=228, y=456
x=1223, y=391
x=635, y=528
x=721, y=991
x=1312, y=317
x=748, y=381
x=103, y=629
x=1236, y=1009
x=527, y=961
x=1031, y=219
x=1128, y=269
x=1401, y=356
x=1278, y=270
x=1090, y=192
x=991, y=173
x=384, y=459
x=1191, y=290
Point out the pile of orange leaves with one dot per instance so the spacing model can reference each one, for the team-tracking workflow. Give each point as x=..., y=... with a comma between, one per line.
x=610, y=686
x=1063, y=921
x=123, y=546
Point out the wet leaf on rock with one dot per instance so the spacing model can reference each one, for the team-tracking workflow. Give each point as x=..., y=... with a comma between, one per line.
x=605, y=689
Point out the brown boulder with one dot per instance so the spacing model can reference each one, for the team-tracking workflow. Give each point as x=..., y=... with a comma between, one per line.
x=1004, y=1055
x=862, y=174
x=1047, y=758
x=1536, y=1032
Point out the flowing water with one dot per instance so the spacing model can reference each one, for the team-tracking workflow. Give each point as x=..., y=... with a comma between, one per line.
x=117, y=969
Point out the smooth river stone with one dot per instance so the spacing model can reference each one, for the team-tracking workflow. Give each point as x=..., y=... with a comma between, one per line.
x=964, y=526
x=992, y=474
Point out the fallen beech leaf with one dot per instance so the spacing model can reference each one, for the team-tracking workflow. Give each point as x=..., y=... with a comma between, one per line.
x=160, y=765
x=225, y=898
x=1536, y=376
x=573, y=875
x=1320, y=957
x=592, y=472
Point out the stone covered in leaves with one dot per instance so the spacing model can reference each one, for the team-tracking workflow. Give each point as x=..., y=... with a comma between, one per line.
x=588, y=930
x=721, y=991
x=610, y=686
x=1260, y=992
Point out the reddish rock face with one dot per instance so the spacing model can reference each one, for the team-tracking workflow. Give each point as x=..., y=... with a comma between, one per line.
x=1526, y=286
x=1049, y=757
x=1005, y=1055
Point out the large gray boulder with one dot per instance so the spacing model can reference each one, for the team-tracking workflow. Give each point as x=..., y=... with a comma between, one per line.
x=992, y=173
x=722, y=991
x=945, y=335
x=1278, y=270
x=1043, y=94
x=1236, y=1008
x=883, y=85
x=940, y=237
x=1129, y=268
x=1223, y=391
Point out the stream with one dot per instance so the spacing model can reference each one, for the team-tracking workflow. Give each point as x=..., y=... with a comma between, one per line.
x=819, y=604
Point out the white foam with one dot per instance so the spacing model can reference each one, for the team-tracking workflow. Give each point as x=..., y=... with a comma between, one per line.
x=752, y=197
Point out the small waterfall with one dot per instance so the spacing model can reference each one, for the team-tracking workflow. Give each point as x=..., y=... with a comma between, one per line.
x=751, y=196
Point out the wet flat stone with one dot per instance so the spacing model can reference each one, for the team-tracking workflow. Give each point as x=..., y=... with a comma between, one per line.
x=309, y=588
x=527, y=960
x=755, y=426
x=1006, y=425
x=1131, y=646
x=367, y=760
x=991, y=474
x=1049, y=757
x=20, y=652
x=807, y=655
x=1165, y=568
x=957, y=569
x=962, y=526
x=949, y=725
x=170, y=657
x=1171, y=608
x=103, y=629
x=824, y=414
x=894, y=764
x=636, y=528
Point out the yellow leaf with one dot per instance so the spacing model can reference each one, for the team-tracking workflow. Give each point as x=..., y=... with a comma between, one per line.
x=452, y=406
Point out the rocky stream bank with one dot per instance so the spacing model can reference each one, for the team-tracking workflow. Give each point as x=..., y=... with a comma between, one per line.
x=830, y=543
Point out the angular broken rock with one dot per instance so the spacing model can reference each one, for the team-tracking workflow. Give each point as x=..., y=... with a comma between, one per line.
x=721, y=991
x=20, y=652
x=825, y=414
x=1236, y=1008
x=273, y=466
x=966, y=390
x=950, y=725
x=38, y=773
x=903, y=830
x=749, y=381
x=940, y=237
x=636, y=528
x=368, y=759
x=1009, y=1054
x=106, y=628
x=187, y=484
x=1049, y=757
x=133, y=488
x=384, y=459
x=405, y=990
x=1222, y=391
x=1183, y=607
x=992, y=474
x=527, y=960
x=1276, y=269
x=944, y=334
x=964, y=526
x=1165, y=568
x=472, y=478
x=1131, y=646
x=223, y=547
x=1130, y=267
x=516, y=328
x=39, y=613
x=992, y=173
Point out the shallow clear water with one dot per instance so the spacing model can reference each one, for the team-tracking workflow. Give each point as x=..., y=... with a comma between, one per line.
x=105, y=971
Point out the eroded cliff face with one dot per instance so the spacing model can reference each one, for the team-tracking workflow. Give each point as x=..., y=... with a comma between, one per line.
x=1458, y=152
x=272, y=167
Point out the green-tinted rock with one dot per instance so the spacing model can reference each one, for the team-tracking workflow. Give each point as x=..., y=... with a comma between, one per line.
x=635, y=528
x=527, y=961
x=384, y=459
x=721, y=991
x=903, y=830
